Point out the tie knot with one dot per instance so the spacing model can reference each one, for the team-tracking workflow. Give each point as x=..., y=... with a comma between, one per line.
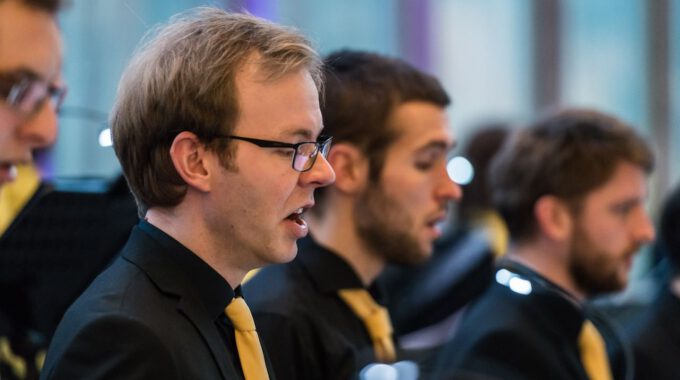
x=375, y=317
x=239, y=314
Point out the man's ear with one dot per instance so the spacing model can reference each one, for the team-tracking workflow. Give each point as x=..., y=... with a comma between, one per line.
x=188, y=155
x=350, y=166
x=553, y=217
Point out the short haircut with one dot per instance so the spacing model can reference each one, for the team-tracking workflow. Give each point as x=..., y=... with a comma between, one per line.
x=361, y=91
x=567, y=154
x=49, y=6
x=669, y=229
x=184, y=79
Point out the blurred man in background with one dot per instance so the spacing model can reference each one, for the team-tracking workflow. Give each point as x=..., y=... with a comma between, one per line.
x=30, y=86
x=572, y=190
x=319, y=315
x=30, y=95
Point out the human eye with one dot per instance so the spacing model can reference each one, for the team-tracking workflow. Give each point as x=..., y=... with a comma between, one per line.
x=286, y=152
x=424, y=165
x=624, y=209
x=428, y=160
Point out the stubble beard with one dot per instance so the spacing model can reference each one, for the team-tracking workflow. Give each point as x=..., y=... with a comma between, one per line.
x=593, y=271
x=384, y=227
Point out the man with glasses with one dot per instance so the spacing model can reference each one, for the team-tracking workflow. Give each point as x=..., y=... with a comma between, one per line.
x=30, y=66
x=219, y=139
x=318, y=315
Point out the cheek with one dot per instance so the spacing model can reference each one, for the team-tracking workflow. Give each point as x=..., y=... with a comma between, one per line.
x=277, y=189
x=8, y=125
x=609, y=238
x=413, y=196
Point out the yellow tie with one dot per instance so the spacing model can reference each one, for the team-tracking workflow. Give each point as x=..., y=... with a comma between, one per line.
x=247, y=341
x=594, y=352
x=15, y=195
x=375, y=318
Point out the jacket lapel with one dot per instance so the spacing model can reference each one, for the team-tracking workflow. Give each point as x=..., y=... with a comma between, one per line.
x=170, y=279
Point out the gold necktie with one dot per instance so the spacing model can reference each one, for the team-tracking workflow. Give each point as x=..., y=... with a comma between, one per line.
x=594, y=352
x=375, y=318
x=15, y=195
x=247, y=341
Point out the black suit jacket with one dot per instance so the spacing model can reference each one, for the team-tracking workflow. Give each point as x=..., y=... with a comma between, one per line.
x=527, y=333
x=140, y=319
x=309, y=331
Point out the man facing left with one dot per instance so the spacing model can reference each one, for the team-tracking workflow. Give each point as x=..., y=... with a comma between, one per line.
x=217, y=128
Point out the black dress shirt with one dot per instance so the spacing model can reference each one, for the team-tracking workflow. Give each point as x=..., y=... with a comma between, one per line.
x=213, y=290
x=309, y=332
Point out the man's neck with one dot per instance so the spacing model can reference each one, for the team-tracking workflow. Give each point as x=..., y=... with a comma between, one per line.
x=548, y=261
x=337, y=233
x=190, y=232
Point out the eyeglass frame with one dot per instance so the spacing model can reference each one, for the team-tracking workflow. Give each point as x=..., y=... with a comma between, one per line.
x=24, y=82
x=322, y=145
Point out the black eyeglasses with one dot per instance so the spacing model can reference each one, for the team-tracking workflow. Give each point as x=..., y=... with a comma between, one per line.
x=305, y=152
x=26, y=92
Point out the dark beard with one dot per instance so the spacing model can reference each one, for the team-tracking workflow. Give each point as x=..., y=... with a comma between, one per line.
x=384, y=227
x=591, y=269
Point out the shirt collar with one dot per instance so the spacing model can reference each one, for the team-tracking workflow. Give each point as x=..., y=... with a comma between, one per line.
x=208, y=286
x=329, y=271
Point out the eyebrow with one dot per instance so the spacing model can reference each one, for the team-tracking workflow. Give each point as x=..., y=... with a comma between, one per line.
x=302, y=132
x=438, y=145
x=627, y=203
x=22, y=72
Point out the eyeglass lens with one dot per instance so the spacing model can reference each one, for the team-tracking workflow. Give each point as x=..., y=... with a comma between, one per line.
x=28, y=94
x=305, y=156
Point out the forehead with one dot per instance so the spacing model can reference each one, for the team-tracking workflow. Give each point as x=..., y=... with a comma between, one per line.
x=29, y=39
x=285, y=107
x=418, y=124
x=628, y=182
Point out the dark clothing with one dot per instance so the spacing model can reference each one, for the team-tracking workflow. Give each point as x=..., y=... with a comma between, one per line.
x=50, y=254
x=458, y=272
x=657, y=342
x=308, y=330
x=524, y=328
x=156, y=313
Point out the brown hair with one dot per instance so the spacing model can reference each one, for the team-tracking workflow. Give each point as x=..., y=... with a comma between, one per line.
x=183, y=79
x=566, y=154
x=49, y=6
x=361, y=91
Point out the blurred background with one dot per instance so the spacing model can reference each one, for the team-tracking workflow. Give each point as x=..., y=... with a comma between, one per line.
x=501, y=60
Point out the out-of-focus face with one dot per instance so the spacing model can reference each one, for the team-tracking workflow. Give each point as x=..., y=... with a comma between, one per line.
x=400, y=215
x=257, y=203
x=610, y=228
x=29, y=44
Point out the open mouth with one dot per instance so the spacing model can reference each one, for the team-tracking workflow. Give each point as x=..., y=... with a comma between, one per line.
x=297, y=216
x=7, y=172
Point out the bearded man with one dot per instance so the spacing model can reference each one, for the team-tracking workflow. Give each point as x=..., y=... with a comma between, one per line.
x=318, y=314
x=572, y=189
